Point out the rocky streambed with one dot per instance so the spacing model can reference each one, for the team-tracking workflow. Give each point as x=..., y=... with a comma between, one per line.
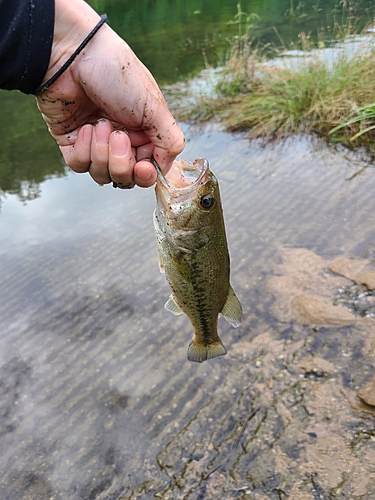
x=97, y=398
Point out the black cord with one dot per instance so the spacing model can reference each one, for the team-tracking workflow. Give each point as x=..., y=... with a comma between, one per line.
x=66, y=65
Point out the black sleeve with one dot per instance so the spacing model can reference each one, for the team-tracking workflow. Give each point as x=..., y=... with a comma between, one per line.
x=26, y=33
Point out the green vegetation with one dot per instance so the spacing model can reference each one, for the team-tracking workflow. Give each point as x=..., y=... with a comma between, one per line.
x=363, y=117
x=178, y=38
x=29, y=155
x=305, y=92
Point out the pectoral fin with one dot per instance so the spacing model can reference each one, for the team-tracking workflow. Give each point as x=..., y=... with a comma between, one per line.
x=232, y=310
x=161, y=264
x=171, y=306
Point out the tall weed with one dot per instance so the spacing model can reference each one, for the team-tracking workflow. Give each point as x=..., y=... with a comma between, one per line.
x=302, y=91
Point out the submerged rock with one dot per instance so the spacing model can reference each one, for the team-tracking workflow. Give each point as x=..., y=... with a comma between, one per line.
x=355, y=270
x=315, y=310
x=367, y=393
x=318, y=366
x=358, y=299
x=305, y=290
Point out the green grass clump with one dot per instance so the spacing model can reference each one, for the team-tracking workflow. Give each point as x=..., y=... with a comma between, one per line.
x=364, y=117
x=309, y=94
x=313, y=95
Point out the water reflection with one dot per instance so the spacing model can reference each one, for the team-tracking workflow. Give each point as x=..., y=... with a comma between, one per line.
x=174, y=40
x=28, y=154
x=97, y=397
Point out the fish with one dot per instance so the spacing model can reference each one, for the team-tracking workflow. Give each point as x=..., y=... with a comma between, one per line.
x=193, y=253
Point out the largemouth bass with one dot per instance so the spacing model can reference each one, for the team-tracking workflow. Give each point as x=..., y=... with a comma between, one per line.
x=193, y=253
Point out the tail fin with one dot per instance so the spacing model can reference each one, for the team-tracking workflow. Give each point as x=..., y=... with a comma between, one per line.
x=200, y=352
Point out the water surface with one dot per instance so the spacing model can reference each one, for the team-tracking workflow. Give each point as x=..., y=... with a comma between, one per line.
x=97, y=397
x=175, y=39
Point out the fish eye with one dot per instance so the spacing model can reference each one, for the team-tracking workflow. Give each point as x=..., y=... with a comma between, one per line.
x=207, y=201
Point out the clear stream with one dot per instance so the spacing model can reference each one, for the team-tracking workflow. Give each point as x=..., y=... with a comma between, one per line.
x=97, y=399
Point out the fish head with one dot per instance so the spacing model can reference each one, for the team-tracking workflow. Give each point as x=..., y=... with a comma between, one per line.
x=188, y=202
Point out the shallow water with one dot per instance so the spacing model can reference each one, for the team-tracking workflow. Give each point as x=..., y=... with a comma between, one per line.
x=97, y=398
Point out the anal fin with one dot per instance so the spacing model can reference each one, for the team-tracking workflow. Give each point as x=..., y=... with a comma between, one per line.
x=232, y=309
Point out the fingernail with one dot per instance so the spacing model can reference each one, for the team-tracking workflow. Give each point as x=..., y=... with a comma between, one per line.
x=102, y=132
x=118, y=143
x=121, y=185
x=87, y=135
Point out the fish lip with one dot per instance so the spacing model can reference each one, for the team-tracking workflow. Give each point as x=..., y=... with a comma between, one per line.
x=186, y=189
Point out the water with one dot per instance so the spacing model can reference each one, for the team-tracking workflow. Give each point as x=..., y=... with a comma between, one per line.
x=175, y=40
x=97, y=399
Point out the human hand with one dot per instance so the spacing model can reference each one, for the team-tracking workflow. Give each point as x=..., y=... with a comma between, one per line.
x=106, y=111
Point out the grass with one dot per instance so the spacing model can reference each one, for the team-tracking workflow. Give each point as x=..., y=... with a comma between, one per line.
x=311, y=94
x=364, y=117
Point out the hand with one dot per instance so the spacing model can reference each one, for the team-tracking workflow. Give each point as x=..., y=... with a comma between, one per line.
x=106, y=111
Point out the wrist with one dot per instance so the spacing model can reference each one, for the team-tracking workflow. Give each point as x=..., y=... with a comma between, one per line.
x=74, y=19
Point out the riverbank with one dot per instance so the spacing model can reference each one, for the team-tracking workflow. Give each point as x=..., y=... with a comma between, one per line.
x=328, y=91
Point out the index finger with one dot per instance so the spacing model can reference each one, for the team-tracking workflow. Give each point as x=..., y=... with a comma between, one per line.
x=164, y=150
x=167, y=137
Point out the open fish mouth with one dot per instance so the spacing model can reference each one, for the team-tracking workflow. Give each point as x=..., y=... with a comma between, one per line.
x=184, y=175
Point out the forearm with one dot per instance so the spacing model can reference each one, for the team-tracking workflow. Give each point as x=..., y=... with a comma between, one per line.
x=36, y=38
x=74, y=19
x=26, y=32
